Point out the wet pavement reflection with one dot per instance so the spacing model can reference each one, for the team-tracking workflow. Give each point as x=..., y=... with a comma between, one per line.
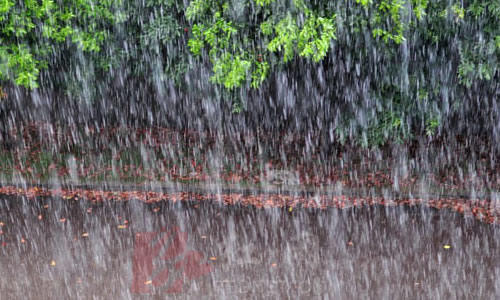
x=53, y=248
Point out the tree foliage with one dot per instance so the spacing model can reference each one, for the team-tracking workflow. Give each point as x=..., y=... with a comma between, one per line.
x=31, y=29
x=241, y=49
x=396, y=45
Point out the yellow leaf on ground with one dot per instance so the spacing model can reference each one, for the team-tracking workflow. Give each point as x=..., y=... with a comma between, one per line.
x=53, y=263
x=122, y=226
x=446, y=246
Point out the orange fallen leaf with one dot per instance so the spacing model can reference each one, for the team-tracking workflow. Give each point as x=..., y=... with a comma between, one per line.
x=122, y=226
x=23, y=240
x=46, y=206
x=274, y=264
x=213, y=258
x=85, y=234
x=148, y=282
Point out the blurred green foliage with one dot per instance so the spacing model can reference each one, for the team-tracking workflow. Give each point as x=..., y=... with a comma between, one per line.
x=245, y=42
x=29, y=29
x=292, y=31
x=240, y=49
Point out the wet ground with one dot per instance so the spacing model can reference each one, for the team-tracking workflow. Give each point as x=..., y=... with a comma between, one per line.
x=54, y=248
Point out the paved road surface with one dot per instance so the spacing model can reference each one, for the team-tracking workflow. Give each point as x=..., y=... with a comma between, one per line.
x=57, y=248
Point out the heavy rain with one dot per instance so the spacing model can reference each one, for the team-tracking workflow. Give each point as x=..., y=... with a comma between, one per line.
x=249, y=149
